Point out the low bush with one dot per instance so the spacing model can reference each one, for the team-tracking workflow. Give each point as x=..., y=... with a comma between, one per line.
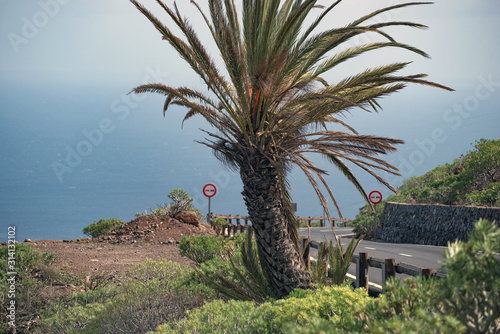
x=363, y=223
x=471, y=288
x=412, y=307
x=204, y=248
x=333, y=303
x=33, y=273
x=152, y=293
x=181, y=201
x=101, y=227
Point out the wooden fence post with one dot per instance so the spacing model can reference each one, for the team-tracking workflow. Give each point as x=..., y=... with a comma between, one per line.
x=425, y=272
x=362, y=271
x=388, y=270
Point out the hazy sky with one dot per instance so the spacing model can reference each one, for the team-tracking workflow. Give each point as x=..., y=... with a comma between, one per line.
x=80, y=49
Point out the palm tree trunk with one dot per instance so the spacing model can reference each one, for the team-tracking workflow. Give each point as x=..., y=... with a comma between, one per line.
x=282, y=262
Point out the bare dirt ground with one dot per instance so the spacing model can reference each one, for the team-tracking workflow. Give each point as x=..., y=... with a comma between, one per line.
x=147, y=237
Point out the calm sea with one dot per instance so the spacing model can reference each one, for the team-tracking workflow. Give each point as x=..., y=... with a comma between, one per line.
x=68, y=160
x=65, y=165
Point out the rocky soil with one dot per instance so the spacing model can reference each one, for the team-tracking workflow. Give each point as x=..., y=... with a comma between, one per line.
x=146, y=237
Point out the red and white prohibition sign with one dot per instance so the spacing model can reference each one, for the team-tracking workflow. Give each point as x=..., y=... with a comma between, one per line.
x=209, y=190
x=375, y=197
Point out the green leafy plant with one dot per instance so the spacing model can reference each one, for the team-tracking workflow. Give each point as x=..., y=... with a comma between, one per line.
x=219, y=224
x=471, y=179
x=471, y=288
x=102, y=227
x=181, y=201
x=333, y=261
x=319, y=271
x=203, y=248
x=488, y=197
x=363, y=225
x=251, y=283
x=151, y=293
x=340, y=260
x=34, y=273
x=334, y=304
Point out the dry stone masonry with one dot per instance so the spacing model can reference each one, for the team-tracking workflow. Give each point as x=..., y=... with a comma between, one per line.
x=431, y=224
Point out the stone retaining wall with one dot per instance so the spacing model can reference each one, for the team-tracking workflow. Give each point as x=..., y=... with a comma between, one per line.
x=430, y=224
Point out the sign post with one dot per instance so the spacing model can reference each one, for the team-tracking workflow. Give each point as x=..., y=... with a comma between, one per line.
x=209, y=190
x=375, y=198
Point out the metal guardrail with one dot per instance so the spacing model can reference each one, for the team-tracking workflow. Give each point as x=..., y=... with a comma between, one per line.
x=363, y=261
x=389, y=266
x=242, y=222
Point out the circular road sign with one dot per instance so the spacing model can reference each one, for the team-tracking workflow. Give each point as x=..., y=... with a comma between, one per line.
x=375, y=197
x=209, y=190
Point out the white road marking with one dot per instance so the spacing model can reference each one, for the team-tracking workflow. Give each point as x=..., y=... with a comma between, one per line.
x=369, y=283
x=325, y=230
x=370, y=248
x=403, y=254
x=354, y=277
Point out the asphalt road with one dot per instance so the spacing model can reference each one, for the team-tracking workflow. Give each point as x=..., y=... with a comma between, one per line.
x=418, y=255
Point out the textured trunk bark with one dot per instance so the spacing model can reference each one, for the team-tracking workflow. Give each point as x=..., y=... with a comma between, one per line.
x=261, y=192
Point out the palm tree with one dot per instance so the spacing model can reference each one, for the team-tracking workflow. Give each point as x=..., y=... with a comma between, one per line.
x=271, y=107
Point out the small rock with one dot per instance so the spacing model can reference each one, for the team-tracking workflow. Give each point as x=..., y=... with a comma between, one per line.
x=188, y=217
x=27, y=240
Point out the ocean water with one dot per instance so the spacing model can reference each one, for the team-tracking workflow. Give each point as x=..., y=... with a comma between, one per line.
x=81, y=154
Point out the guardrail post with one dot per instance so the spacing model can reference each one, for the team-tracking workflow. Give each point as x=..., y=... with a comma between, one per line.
x=362, y=271
x=388, y=270
x=424, y=272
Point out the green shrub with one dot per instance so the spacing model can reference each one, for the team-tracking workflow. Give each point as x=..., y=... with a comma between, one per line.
x=204, y=248
x=409, y=308
x=487, y=197
x=33, y=273
x=181, y=201
x=340, y=259
x=469, y=180
x=406, y=308
x=363, y=225
x=142, y=308
x=334, y=303
x=151, y=293
x=101, y=227
x=471, y=288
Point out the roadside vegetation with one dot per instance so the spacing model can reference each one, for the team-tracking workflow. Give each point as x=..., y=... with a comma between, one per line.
x=180, y=201
x=165, y=297
x=472, y=179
